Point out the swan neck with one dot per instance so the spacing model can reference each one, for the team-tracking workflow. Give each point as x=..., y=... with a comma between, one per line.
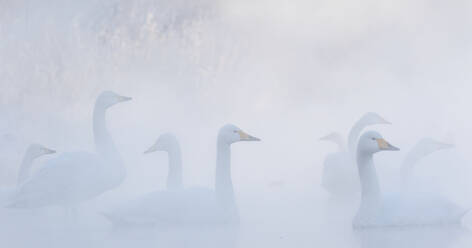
x=174, y=176
x=370, y=188
x=25, y=168
x=354, y=134
x=105, y=147
x=223, y=184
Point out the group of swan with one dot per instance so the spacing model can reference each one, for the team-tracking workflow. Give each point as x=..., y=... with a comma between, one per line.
x=193, y=206
x=72, y=178
x=351, y=165
x=339, y=175
x=399, y=209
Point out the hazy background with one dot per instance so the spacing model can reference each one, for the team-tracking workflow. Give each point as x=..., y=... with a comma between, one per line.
x=287, y=72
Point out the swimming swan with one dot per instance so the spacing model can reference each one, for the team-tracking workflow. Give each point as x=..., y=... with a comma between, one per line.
x=377, y=210
x=77, y=176
x=193, y=206
x=339, y=176
x=168, y=143
x=32, y=152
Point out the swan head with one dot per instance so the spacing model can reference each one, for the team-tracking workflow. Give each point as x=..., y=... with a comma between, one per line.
x=371, y=118
x=108, y=98
x=37, y=150
x=372, y=142
x=230, y=134
x=165, y=142
x=430, y=145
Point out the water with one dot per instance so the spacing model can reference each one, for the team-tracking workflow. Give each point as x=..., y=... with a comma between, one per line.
x=288, y=72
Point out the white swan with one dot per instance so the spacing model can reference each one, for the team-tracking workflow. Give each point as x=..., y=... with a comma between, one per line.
x=32, y=152
x=77, y=176
x=168, y=143
x=377, y=210
x=194, y=206
x=339, y=176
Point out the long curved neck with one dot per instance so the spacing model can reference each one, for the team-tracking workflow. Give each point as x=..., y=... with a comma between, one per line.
x=103, y=142
x=25, y=168
x=354, y=135
x=174, y=176
x=105, y=147
x=223, y=184
x=370, y=188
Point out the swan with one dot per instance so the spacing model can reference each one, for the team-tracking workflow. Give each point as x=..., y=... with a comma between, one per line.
x=168, y=143
x=33, y=152
x=339, y=176
x=397, y=210
x=194, y=206
x=77, y=176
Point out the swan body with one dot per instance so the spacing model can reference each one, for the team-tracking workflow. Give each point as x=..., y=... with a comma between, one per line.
x=77, y=176
x=400, y=209
x=32, y=152
x=193, y=206
x=339, y=176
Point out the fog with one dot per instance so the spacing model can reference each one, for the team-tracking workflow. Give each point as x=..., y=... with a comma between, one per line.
x=287, y=72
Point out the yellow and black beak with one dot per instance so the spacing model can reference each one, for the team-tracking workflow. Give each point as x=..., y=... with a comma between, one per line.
x=385, y=146
x=246, y=137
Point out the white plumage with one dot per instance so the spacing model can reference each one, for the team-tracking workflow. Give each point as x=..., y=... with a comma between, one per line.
x=193, y=206
x=77, y=176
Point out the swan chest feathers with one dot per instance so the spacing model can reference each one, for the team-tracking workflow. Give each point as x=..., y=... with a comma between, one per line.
x=68, y=180
x=195, y=206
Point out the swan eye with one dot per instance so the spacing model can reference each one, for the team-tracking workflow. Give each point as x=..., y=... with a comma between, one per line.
x=373, y=139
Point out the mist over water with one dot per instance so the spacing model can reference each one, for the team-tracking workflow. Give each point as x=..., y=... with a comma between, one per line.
x=288, y=72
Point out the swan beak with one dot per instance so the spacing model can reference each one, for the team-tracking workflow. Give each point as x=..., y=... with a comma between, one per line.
x=153, y=148
x=124, y=98
x=383, y=121
x=327, y=137
x=385, y=146
x=49, y=151
x=246, y=137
